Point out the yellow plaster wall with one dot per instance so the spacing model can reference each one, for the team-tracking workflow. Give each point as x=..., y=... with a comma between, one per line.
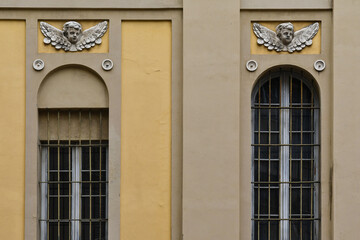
x=145, y=190
x=12, y=129
x=48, y=48
x=315, y=48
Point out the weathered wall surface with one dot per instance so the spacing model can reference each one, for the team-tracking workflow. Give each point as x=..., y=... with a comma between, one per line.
x=346, y=115
x=145, y=210
x=211, y=119
x=12, y=129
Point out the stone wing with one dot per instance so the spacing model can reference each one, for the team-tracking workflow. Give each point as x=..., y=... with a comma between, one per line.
x=54, y=36
x=303, y=37
x=92, y=36
x=267, y=37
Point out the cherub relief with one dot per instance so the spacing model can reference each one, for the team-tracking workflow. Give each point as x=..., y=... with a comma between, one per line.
x=72, y=38
x=285, y=39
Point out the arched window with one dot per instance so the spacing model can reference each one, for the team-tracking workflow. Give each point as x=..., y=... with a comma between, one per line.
x=285, y=157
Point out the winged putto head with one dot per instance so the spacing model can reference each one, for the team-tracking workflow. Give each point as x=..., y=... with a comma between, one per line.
x=72, y=38
x=285, y=39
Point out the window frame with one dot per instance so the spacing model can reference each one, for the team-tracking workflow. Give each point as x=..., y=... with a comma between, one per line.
x=285, y=80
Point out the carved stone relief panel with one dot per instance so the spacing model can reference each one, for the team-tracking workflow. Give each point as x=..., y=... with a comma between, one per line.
x=71, y=36
x=285, y=37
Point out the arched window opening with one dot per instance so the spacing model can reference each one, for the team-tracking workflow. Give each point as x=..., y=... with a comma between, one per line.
x=285, y=157
x=73, y=146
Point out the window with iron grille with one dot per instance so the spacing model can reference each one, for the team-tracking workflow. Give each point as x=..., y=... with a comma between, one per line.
x=74, y=174
x=285, y=158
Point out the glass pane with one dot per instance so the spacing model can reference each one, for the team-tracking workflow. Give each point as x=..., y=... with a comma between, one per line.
x=264, y=91
x=85, y=230
x=295, y=230
x=307, y=121
x=275, y=119
x=96, y=231
x=53, y=207
x=307, y=95
x=307, y=170
x=295, y=119
x=274, y=171
x=296, y=91
x=274, y=201
x=264, y=138
x=295, y=200
x=64, y=230
x=85, y=207
x=264, y=171
x=64, y=158
x=274, y=230
x=275, y=152
x=275, y=90
x=264, y=152
x=264, y=200
x=53, y=230
x=295, y=170
x=263, y=230
x=256, y=119
x=306, y=200
x=275, y=138
x=64, y=207
x=306, y=229
x=264, y=119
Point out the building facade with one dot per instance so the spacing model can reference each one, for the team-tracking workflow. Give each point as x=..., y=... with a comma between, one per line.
x=179, y=119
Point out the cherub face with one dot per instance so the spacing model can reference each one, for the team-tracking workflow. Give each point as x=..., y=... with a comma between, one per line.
x=73, y=34
x=286, y=36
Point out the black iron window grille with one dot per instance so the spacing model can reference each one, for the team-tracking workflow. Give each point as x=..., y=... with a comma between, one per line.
x=74, y=175
x=285, y=158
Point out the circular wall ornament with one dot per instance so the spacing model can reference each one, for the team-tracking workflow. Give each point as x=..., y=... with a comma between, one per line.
x=251, y=65
x=107, y=64
x=319, y=65
x=38, y=64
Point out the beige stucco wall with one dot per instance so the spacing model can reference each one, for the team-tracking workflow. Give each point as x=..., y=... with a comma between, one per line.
x=346, y=117
x=211, y=120
x=12, y=129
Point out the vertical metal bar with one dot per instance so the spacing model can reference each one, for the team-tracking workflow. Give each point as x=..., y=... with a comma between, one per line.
x=90, y=150
x=280, y=138
x=58, y=171
x=284, y=189
x=70, y=179
x=48, y=173
x=100, y=152
x=258, y=186
x=290, y=150
x=301, y=159
x=44, y=193
x=269, y=152
x=80, y=176
x=312, y=166
x=317, y=169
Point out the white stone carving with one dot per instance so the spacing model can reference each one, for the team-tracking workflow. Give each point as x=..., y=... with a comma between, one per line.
x=251, y=65
x=319, y=65
x=107, y=64
x=285, y=39
x=72, y=38
x=38, y=64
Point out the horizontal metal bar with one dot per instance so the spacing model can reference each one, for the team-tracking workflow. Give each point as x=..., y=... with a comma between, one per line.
x=280, y=145
x=289, y=182
x=69, y=182
x=75, y=220
x=292, y=107
x=74, y=145
x=287, y=219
